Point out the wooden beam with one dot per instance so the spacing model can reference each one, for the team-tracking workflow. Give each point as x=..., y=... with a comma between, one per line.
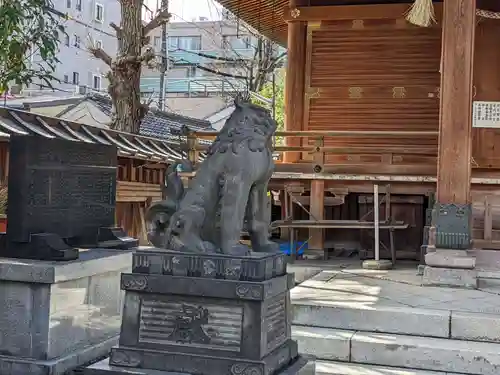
x=455, y=138
x=294, y=87
x=351, y=12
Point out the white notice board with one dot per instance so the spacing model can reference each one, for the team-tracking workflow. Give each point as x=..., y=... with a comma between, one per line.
x=486, y=115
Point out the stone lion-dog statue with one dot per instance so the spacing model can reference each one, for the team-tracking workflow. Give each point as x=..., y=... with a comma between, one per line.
x=229, y=188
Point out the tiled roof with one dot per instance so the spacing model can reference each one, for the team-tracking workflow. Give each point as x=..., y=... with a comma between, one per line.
x=13, y=121
x=156, y=123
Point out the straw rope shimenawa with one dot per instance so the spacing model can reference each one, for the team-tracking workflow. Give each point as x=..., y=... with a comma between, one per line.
x=421, y=13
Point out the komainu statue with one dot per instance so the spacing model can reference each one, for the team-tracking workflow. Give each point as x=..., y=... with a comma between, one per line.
x=230, y=188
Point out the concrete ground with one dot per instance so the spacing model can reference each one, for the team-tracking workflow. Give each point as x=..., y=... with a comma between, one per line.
x=345, y=283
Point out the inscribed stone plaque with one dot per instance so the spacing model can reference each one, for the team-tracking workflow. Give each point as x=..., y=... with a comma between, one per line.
x=62, y=187
x=165, y=322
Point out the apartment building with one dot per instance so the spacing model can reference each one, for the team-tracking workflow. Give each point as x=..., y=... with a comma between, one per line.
x=190, y=89
x=84, y=20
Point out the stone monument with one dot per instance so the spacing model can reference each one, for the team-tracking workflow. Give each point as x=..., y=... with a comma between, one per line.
x=204, y=304
x=60, y=305
x=61, y=197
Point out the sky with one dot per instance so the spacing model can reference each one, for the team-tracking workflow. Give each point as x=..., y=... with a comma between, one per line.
x=188, y=10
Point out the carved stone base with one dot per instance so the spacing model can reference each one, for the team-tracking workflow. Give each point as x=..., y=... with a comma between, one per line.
x=453, y=225
x=206, y=314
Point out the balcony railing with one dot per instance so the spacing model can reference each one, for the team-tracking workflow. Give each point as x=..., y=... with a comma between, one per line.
x=195, y=85
x=193, y=56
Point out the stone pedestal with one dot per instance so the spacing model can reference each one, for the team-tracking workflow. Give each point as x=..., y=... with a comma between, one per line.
x=447, y=262
x=454, y=268
x=55, y=316
x=188, y=313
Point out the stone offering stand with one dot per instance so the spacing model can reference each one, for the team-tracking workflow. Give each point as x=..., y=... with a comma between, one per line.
x=205, y=314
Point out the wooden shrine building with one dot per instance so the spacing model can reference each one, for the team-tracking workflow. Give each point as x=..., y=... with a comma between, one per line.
x=372, y=98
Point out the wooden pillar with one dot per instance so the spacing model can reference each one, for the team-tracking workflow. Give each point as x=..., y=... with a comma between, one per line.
x=317, y=211
x=294, y=83
x=455, y=136
x=451, y=221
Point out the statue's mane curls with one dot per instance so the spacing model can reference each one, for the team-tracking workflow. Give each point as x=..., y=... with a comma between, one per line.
x=250, y=125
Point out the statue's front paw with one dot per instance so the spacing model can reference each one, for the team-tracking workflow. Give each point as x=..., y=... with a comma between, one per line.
x=270, y=247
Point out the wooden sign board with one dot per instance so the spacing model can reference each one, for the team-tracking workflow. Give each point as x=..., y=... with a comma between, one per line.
x=486, y=114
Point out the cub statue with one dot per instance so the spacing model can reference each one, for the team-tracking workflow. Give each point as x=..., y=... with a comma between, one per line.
x=229, y=189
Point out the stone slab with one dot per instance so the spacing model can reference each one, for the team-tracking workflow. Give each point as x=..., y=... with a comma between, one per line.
x=302, y=366
x=342, y=368
x=213, y=288
x=59, y=366
x=324, y=343
x=391, y=319
x=450, y=277
x=475, y=326
x=445, y=355
x=91, y=262
x=450, y=259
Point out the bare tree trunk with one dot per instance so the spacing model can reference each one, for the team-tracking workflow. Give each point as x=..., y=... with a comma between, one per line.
x=125, y=74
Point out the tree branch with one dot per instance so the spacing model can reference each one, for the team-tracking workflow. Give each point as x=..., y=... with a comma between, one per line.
x=162, y=17
x=217, y=58
x=117, y=29
x=99, y=53
x=222, y=74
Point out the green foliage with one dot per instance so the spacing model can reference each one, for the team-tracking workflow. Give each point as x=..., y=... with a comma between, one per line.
x=28, y=28
x=279, y=97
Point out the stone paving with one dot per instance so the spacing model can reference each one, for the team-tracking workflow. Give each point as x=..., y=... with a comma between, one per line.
x=346, y=284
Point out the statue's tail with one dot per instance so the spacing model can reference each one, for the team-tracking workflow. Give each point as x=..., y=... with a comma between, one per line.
x=159, y=213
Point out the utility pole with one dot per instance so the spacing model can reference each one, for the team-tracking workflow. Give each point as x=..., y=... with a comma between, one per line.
x=164, y=59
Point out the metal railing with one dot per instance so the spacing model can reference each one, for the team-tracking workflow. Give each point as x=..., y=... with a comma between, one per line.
x=198, y=86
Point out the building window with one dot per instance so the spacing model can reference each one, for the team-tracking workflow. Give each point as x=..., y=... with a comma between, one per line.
x=76, y=78
x=66, y=40
x=77, y=41
x=99, y=13
x=96, y=82
x=68, y=4
x=78, y=5
x=66, y=78
x=157, y=41
x=98, y=44
x=236, y=42
x=192, y=43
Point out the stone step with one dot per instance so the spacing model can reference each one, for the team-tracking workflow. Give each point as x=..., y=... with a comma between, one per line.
x=412, y=352
x=344, y=368
x=459, y=325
